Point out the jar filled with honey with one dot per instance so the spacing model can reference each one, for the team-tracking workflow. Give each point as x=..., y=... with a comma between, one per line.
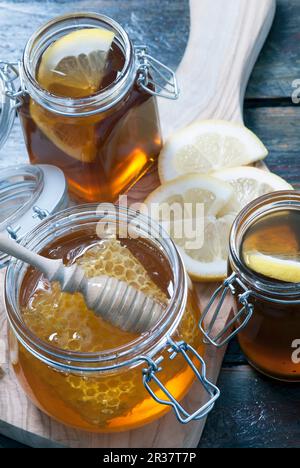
x=264, y=283
x=79, y=368
x=87, y=103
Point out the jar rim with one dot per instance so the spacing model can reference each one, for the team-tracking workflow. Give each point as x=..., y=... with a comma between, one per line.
x=260, y=207
x=146, y=344
x=89, y=105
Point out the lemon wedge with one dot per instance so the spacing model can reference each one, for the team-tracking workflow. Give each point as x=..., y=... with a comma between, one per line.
x=208, y=146
x=74, y=65
x=273, y=267
x=188, y=208
x=249, y=183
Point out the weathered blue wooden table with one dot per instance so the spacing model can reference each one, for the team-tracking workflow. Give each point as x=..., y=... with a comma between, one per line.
x=253, y=411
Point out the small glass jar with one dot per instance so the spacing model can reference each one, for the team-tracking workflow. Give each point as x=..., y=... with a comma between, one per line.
x=265, y=312
x=103, y=142
x=117, y=389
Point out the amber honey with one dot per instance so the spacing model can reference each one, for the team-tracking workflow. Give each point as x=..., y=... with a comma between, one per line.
x=268, y=339
x=104, y=401
x=102, y=154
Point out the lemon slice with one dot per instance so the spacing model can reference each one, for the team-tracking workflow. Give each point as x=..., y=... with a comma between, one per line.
x=208, y=146
x=273, y=267
x=74, y=65
x=249, y=183
x=188, y=208
x=75, y=137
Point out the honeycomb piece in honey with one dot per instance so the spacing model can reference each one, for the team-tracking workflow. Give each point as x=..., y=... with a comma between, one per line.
x=109, y=257
x=64, y=320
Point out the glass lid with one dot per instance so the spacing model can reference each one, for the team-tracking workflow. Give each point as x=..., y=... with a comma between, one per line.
x=7, y=105
x=27, y=195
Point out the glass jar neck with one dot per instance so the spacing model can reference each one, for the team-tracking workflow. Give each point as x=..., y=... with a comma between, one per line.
x=146, y=345
x=98, y=102
x=259, y=208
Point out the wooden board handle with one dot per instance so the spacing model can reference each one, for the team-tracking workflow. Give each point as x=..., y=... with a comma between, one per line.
x=226, y=37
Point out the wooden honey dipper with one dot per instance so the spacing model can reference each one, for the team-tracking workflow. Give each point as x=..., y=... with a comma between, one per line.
x=115, y=301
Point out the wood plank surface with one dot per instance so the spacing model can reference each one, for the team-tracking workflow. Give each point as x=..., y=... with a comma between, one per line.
x=278, y=65
x=278, y=127
x=255, y=412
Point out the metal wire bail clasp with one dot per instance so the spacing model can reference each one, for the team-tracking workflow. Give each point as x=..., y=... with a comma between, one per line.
x=155, y=77
x=221, y=337
x=10, y=97
x=150, y=375
x=9, y=73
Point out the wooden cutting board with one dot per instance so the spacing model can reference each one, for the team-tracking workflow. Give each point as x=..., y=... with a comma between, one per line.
x=226, y=37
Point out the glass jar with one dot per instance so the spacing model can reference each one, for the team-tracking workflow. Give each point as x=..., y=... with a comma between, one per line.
x=265, y=312
x=103, y=142
x=115, y=389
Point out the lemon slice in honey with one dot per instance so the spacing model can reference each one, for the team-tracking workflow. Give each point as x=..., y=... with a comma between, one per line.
x=75, y=137
x=280, y=269
x=74, y=65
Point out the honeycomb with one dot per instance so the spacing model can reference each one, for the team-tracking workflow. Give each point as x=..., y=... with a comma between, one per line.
x=64, y=320
x=109, y=257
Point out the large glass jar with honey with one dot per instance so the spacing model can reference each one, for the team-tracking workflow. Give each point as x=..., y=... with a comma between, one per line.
x=264, y=284
x=77, y=367
x=87, y=103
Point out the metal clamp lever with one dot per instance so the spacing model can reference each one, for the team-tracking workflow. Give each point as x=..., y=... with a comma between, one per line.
x=9, y=73
x=182, y=415
x=241, y=317
x=154, y=77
